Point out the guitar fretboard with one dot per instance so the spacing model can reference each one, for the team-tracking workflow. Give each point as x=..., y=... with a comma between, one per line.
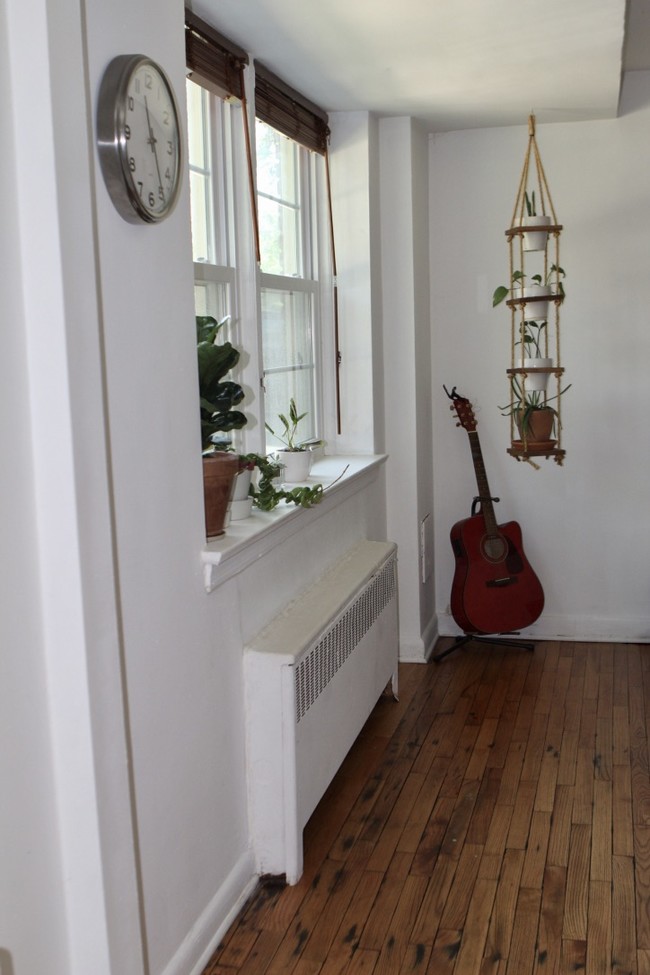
x=487, y=508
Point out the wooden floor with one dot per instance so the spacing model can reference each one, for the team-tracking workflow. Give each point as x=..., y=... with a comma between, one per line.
x=495, y=820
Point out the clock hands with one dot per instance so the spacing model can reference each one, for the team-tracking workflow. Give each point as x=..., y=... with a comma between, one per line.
x=152, y=143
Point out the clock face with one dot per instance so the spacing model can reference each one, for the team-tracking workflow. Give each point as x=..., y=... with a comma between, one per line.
x=139, y=139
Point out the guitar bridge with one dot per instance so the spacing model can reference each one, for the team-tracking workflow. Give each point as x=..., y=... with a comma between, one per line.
x=500, y=583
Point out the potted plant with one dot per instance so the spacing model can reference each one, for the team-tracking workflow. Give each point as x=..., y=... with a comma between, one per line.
x=267, y=492
x=295, y=457
x=531, y=333
x=218, y=396
x=534, y=416
x=536, y=295
x=534, y=240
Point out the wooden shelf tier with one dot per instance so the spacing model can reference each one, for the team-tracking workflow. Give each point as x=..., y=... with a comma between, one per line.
x=533, y=370
x=546, y=449
x=514, y=302
x=550, y=228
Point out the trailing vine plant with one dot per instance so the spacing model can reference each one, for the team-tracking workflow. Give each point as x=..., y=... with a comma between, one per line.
x=267, y=496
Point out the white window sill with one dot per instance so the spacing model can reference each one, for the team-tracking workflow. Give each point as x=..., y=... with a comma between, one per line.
x=247, y=540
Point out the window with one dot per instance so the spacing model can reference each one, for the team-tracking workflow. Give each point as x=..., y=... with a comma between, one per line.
x=275, y=307
x=287, y=208
x=210, y=165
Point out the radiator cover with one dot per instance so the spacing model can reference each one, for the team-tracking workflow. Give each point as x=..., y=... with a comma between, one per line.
x=312, y=678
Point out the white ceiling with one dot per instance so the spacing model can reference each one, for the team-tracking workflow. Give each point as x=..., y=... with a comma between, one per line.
x=454, y=64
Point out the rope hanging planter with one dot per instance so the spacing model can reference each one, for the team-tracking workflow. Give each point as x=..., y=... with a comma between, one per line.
x=535, y=297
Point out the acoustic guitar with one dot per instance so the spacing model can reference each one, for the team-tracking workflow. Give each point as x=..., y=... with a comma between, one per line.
x=495, y=589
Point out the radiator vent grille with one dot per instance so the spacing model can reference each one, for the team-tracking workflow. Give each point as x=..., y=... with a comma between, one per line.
x=319, y=665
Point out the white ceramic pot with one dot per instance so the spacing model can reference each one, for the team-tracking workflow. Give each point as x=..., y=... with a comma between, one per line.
x=537, y=381
x=536, y=310
x=241, y=485
x=240, y=504
x=240, y=509
x=536, y=240
x=296, y=465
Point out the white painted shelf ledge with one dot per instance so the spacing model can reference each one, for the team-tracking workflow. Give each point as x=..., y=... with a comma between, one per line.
x=247, y=540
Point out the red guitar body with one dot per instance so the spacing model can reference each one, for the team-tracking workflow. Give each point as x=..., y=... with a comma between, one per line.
x=495, y=589
x=492, y=594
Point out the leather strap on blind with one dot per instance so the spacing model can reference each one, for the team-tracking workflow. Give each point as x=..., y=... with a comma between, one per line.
x=213, y=57
x=280, y=106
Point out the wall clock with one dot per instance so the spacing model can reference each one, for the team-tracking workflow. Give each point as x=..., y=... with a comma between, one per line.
x=139, y=138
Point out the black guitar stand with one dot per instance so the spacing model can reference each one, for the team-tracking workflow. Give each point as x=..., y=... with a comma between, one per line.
x=460, y=641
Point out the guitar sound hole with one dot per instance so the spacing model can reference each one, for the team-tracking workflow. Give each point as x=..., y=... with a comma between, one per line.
x=494, y=548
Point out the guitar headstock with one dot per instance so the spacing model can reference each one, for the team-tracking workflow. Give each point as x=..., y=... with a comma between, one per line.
x=464, y=411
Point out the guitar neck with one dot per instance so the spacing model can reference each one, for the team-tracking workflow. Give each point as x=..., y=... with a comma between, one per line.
x=487, y=508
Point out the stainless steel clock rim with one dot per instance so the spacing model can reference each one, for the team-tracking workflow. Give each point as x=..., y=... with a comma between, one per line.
x=110, y=124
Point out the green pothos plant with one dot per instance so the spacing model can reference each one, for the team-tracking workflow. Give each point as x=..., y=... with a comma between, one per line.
x=553, y=276
x=267, y=495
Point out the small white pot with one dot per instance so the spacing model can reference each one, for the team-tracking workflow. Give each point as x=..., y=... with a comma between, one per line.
x=537, y=381
x=241, y=485
x=240, y=509
x=537, y=310
x=240, y=504
x=296, y=465
x=536, y=240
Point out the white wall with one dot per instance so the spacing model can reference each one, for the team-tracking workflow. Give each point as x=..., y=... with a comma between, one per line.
x=586, y=525
x=182, y=648
x=29, y=898
x=407, y=372
x=123, y=732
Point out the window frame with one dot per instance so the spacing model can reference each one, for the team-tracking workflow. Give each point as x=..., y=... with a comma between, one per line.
x=244, y=278
x=311, y=282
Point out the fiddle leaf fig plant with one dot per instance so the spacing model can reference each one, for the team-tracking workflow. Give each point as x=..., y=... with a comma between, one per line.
x=218, y=396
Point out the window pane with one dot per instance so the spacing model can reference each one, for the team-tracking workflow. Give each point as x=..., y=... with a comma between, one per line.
x=199, y=155
x=286, y=329
x=200, y=199
x=278, y=202
x=212, y=298
x=279, y=238
x=288, y=342
x=277, y=174
x=197, y=123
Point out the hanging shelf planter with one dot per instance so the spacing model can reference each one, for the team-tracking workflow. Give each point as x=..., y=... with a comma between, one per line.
x=536, y=294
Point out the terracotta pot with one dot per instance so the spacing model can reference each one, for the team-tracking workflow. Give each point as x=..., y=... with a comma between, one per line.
x=539, y=425
x=219, y=472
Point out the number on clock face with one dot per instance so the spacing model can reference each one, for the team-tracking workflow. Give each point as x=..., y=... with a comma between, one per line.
x=150, y=140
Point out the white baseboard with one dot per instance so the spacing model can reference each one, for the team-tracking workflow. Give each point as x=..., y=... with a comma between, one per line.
x=418, y=650
x=199, y=945
x=583, y=629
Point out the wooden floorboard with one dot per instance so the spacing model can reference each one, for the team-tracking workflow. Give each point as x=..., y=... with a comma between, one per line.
x=494, y=821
